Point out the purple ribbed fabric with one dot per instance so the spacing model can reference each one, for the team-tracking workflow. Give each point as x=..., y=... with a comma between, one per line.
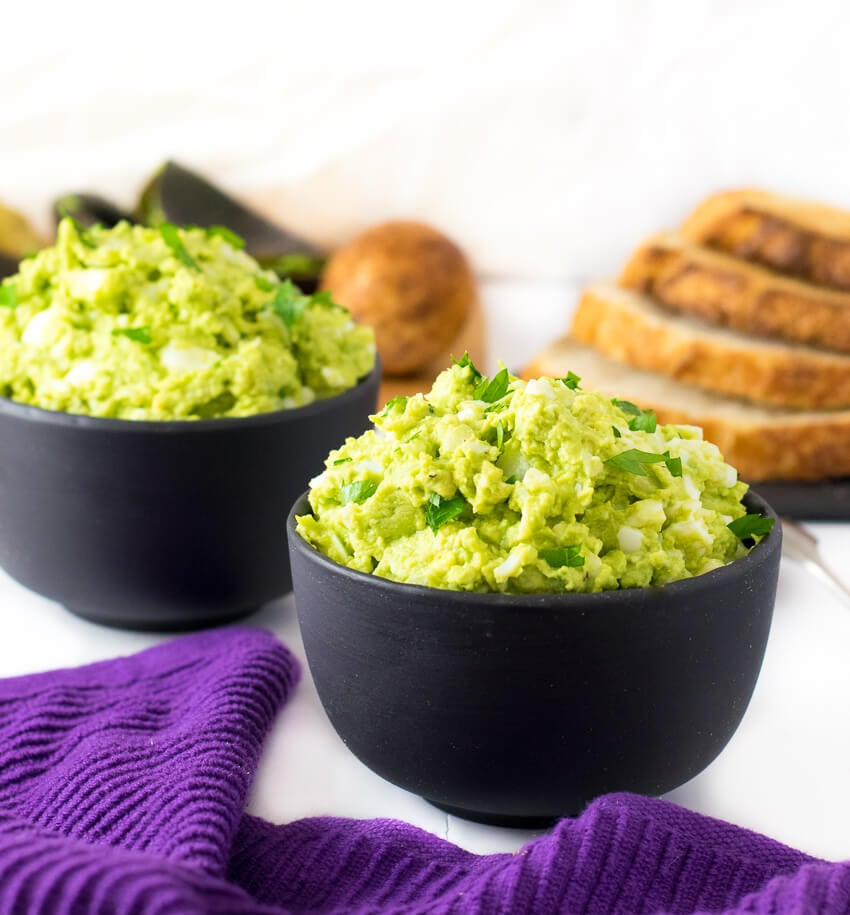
x=122, y=788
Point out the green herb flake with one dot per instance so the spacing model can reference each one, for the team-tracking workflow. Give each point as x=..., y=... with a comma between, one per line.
x=511, y=480
x=634, y=461
x=752, y=525
x=289, y=303
x=346, y=460
x=136, y=334
x=571, y=380
x=674, y=465
x=557, y=557
x=500, y=434
x=400, y=402
x=324, y=297
x=9, y=295
x=645, y=421
x=491, y=390
x=358, y=492
x=616, y=431
x=466, y=362
x=228, y=235
x=171, y=236
x=265, y=284
x=627, y=407
x=440, y=511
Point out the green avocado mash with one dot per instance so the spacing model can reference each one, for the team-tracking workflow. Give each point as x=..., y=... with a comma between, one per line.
x=167, y=323
x=504, y=485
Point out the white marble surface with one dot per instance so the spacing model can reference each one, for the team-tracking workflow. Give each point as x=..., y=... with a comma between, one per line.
x=785, y=772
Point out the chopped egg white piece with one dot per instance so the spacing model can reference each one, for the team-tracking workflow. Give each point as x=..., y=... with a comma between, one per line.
x=187, y=358
x=629, y=538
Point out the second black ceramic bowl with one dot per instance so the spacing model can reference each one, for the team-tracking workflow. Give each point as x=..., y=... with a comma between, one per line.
x=519, y=709
x=161, y=525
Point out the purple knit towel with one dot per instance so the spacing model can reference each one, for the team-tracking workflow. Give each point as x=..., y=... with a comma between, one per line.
x=122, y=787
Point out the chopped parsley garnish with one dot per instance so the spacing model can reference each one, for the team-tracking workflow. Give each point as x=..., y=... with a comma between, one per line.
x=562, y=556
x=9, y=295
x=400, y=402
x=627, y=407
x=440, y=511
x=228, y=235
x=300, y=265
x=500, y=434
x=674, y=465
x=346, y=460
x=324, y=297
x=616, y=431
x=511, y=480
x=645, y=421
x=753, y=525
x=358, y=492
x=491, y=390
x=264, y=284
x=634, y=461
x=466, y=362
x=571, y=380
x=171, y=236
x=289, y=303
x=137, y=334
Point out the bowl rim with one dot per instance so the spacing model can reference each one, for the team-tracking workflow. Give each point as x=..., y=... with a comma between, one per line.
x=30, y=413
x=760, y=554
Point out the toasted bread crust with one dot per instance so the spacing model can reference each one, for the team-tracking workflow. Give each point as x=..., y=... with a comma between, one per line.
x=782, y=446
x=630, y=328
x=723, y=290
x=795, y=237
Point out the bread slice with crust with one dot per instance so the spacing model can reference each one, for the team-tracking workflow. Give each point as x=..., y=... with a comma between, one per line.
x=796, y=237
x=764, y=443
x=632, y=328
x=724, y=290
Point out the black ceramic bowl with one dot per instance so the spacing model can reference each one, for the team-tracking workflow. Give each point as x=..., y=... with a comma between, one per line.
x=161, y=525
x=519, y=709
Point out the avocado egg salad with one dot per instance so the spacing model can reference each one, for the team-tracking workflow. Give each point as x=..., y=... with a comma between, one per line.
x=166, y=323
x=497, y=484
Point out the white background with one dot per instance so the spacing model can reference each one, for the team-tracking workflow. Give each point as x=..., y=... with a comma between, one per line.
x=548, y=139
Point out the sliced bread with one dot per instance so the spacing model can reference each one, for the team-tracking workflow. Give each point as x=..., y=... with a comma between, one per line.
x=797, y=237
x=632, y=328
x=725, y=290
x=764, y=443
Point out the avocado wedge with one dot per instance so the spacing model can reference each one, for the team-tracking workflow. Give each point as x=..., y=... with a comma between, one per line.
x=176, y=194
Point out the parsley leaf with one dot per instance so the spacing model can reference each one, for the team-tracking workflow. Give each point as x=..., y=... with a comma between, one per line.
x=466, y=362
x=491, y=390
x=571, y=380
x=511, y=480
x=9, y=295
x=346, y=460
x=616, y=431
x=289, y=303
x=753, y=525
x=440, y=511
x=627, y=407
x=674, y=465
x=262, y=283
x=171, y=236
x=137, y=334
x=228, y=235
x=358, y=491
x=634, y=461
x=562, y=556
x=400, y=402
x=645, y=421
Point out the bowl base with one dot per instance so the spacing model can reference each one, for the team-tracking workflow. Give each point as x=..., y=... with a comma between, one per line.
x=497, y=819
x=187, y=623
